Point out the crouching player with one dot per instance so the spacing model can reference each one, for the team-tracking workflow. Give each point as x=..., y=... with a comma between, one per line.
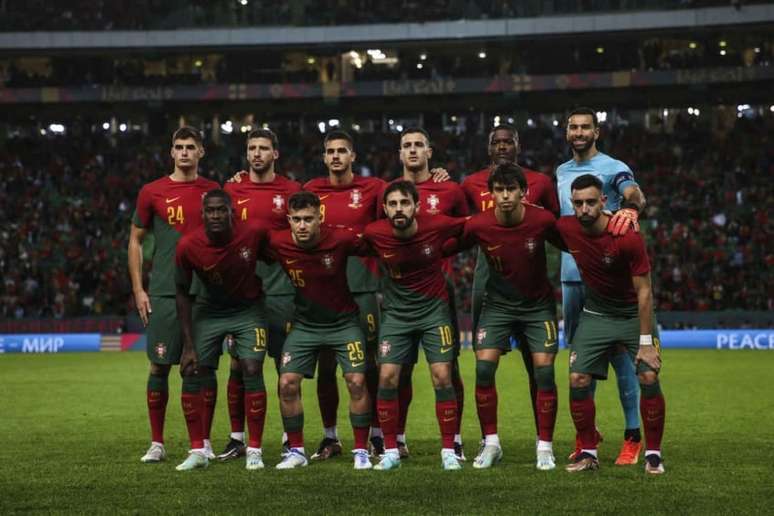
x=416, y=308
x=518, y=303
x=618, y=310
x=223, y=256
x=326, y=318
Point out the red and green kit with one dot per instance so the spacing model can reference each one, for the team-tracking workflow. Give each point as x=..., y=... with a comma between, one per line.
x=610, y=314
x=540, y=191
x=168, y=209
x=231, y=298
x=416, y=300
x=519, y=297
x=326, y=313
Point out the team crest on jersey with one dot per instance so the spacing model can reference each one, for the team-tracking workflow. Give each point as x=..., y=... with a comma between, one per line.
x=481, y=335
x=279, y=203
x=355, y=199
x=607, y=260
x=286, y=358
x=327, y=261
x=573, y=357
x=385, y=347
x=427, y=249
x=161, y=350
x=432, y=204
x=531, y=245
x=245, y=253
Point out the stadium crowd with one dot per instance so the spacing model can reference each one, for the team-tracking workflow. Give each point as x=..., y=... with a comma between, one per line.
x=28, y=15
x=68, y=201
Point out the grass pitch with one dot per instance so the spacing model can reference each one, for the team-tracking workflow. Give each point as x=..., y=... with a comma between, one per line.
x=74, y=427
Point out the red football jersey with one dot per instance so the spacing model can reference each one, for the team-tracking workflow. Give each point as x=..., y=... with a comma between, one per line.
x=169, y=209
x=444, y=198
x=266, y=202
x=354, y=205
x=414, y=264
x=540, y=191
x=606, y=263
x=227, y=272
x=319, y=274
x=516, y=254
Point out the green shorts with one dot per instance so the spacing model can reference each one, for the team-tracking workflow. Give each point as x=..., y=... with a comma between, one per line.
x=598, y=336
x=304, y=343
x=164, y=345
x=279, y=317
x=496, y=326
x=399, y=339
x=246, y=323
x=369, y=318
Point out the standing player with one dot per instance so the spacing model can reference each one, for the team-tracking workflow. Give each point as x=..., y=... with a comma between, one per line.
x=416, y=308
x=349, y=200
x=315, y=259
x=435, y=198
x=261, y=194
x=168, y=207
x=503, y=146
x=519, y=303
x=624, y=195
x=618, y=311
x=223, y=255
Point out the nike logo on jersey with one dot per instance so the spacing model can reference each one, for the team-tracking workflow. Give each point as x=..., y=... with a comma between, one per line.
x=493, y=247
x=388, y=255
x=574, y=251
x=484, y=194
x=549, y=344
x=173, y=199
x=209, y=267
x=290, y=262
x=447, y=349
x=357, y=364
x=323, y=197
x=242, y=201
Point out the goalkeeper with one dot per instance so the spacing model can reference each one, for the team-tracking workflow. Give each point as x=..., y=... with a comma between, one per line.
x=627, y=201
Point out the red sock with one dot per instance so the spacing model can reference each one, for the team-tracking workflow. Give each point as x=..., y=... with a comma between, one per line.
x=361, y=437
x=486, y=404
x=459, y=392
x=446, y=413
x=328, y=399
x=193, y=411
x=372, y=384
x=653, y=412
x=157, y=411
x=236, y=404
x=547, y=403
x=296, y=439
x=255, y=408
x=405, y=395
x=583, y=413
x=210, y=397
x=529, y=366
x=388, y=420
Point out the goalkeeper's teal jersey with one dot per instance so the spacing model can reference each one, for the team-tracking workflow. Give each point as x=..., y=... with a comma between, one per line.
x=615, y=175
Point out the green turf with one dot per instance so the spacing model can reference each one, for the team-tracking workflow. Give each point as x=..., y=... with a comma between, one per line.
x=74, y=427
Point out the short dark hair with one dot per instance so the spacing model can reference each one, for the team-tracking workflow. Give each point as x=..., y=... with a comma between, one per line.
x=303, y=199
x=217, y=194
x=339, y=134
x=186, y=132
x=586, y=181
x=503, y=127
x=585, y=111
x=416, y=129
x=264, y=133
x=507, y=174
x=404, y=187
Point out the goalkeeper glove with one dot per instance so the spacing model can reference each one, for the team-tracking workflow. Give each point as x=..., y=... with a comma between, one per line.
x=624, y=219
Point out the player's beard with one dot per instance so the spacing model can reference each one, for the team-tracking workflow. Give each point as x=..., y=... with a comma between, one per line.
x=587, y=220
x=262, y=169
x=405, y=221
x=587, y=144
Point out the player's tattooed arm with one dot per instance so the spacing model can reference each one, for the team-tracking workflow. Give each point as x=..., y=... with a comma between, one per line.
x=141, y=299
x=647, y=353
x=188, y=359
